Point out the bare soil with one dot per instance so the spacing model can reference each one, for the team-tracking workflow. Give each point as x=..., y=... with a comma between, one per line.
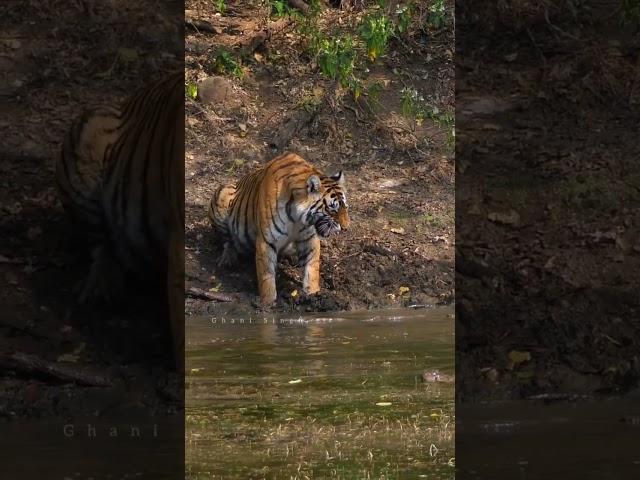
x=547, y=202
x=400, y=176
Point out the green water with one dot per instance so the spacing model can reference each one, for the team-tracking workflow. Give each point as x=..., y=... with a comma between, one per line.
x=331, y=396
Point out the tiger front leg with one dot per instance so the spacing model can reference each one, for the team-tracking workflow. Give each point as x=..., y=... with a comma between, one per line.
x=309, y=254
x=266, y=261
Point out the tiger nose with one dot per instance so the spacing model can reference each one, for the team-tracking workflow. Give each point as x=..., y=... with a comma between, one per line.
x=343, y=219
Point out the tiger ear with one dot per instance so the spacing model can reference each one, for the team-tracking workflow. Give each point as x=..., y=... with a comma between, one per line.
x=338, y=177
x=313, y=184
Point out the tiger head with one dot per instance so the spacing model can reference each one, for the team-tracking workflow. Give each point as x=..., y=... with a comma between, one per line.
x=328, y=211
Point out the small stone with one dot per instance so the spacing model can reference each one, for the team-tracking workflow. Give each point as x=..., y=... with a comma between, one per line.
x=214, y=90
x=509, y=218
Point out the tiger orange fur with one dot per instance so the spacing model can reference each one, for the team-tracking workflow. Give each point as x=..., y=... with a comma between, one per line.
x=286, y=205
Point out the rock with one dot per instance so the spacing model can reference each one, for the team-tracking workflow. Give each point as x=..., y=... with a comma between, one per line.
x=486, y=106
x=214, y=90
x=509, y=218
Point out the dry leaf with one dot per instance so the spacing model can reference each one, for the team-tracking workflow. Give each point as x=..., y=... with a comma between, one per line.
x=517, y=357
x=399, y=231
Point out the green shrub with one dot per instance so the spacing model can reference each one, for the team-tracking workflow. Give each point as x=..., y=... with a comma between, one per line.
x=631, y=12
x=191, y=90
x=336, y=57
x=404, y=14
x=437, y=14
x=376, y=31
x=225, y=62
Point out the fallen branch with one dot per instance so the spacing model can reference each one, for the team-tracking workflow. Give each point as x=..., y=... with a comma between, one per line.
x=31, y=328
x=342, y=259
x=200, y=25
x=194, y=292
x=35, y=366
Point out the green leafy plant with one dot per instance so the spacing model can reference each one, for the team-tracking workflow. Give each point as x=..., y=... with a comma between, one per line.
x=281, y=8
x=437, y=14
x=376, y=31
x=631, y=12
x=310, y=31
x=225, y=62
x=404, y=13
x=336, y=58
x=411, y=104
x=220, y=6
x=191, y=90
x=373, y=96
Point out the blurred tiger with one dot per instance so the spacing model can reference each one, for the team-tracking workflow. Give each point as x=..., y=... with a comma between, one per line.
x=284, y=207
x=120, y=178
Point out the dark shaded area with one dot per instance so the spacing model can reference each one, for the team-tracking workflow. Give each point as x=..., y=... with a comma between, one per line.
x=107, y=364
x=548, y=226
x=547, y=237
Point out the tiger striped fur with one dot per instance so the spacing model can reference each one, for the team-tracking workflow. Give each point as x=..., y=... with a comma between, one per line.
x=285, y=206
x=121, y=179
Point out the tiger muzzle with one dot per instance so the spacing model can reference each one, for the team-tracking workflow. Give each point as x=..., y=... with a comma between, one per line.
x=342, y=217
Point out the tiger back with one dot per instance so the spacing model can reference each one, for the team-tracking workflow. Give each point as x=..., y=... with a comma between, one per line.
x=288, y=204
x=121, y=179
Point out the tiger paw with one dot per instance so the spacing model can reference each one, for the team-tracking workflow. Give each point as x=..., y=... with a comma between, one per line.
x=262, y=307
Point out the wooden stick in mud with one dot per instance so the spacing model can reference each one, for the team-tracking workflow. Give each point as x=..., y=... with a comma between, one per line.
x=199, y=25
x=32, y=365
x=194, y=292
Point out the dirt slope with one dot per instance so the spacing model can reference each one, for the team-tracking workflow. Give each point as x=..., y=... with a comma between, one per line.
x=400, y=175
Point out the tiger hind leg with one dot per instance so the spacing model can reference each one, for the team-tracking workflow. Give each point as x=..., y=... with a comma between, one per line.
x=218, y=211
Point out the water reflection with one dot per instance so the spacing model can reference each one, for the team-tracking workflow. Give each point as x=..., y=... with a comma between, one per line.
x=331, y=396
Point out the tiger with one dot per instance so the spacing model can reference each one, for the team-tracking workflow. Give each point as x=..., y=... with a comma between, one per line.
x=120, y=179
x=283, y=208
